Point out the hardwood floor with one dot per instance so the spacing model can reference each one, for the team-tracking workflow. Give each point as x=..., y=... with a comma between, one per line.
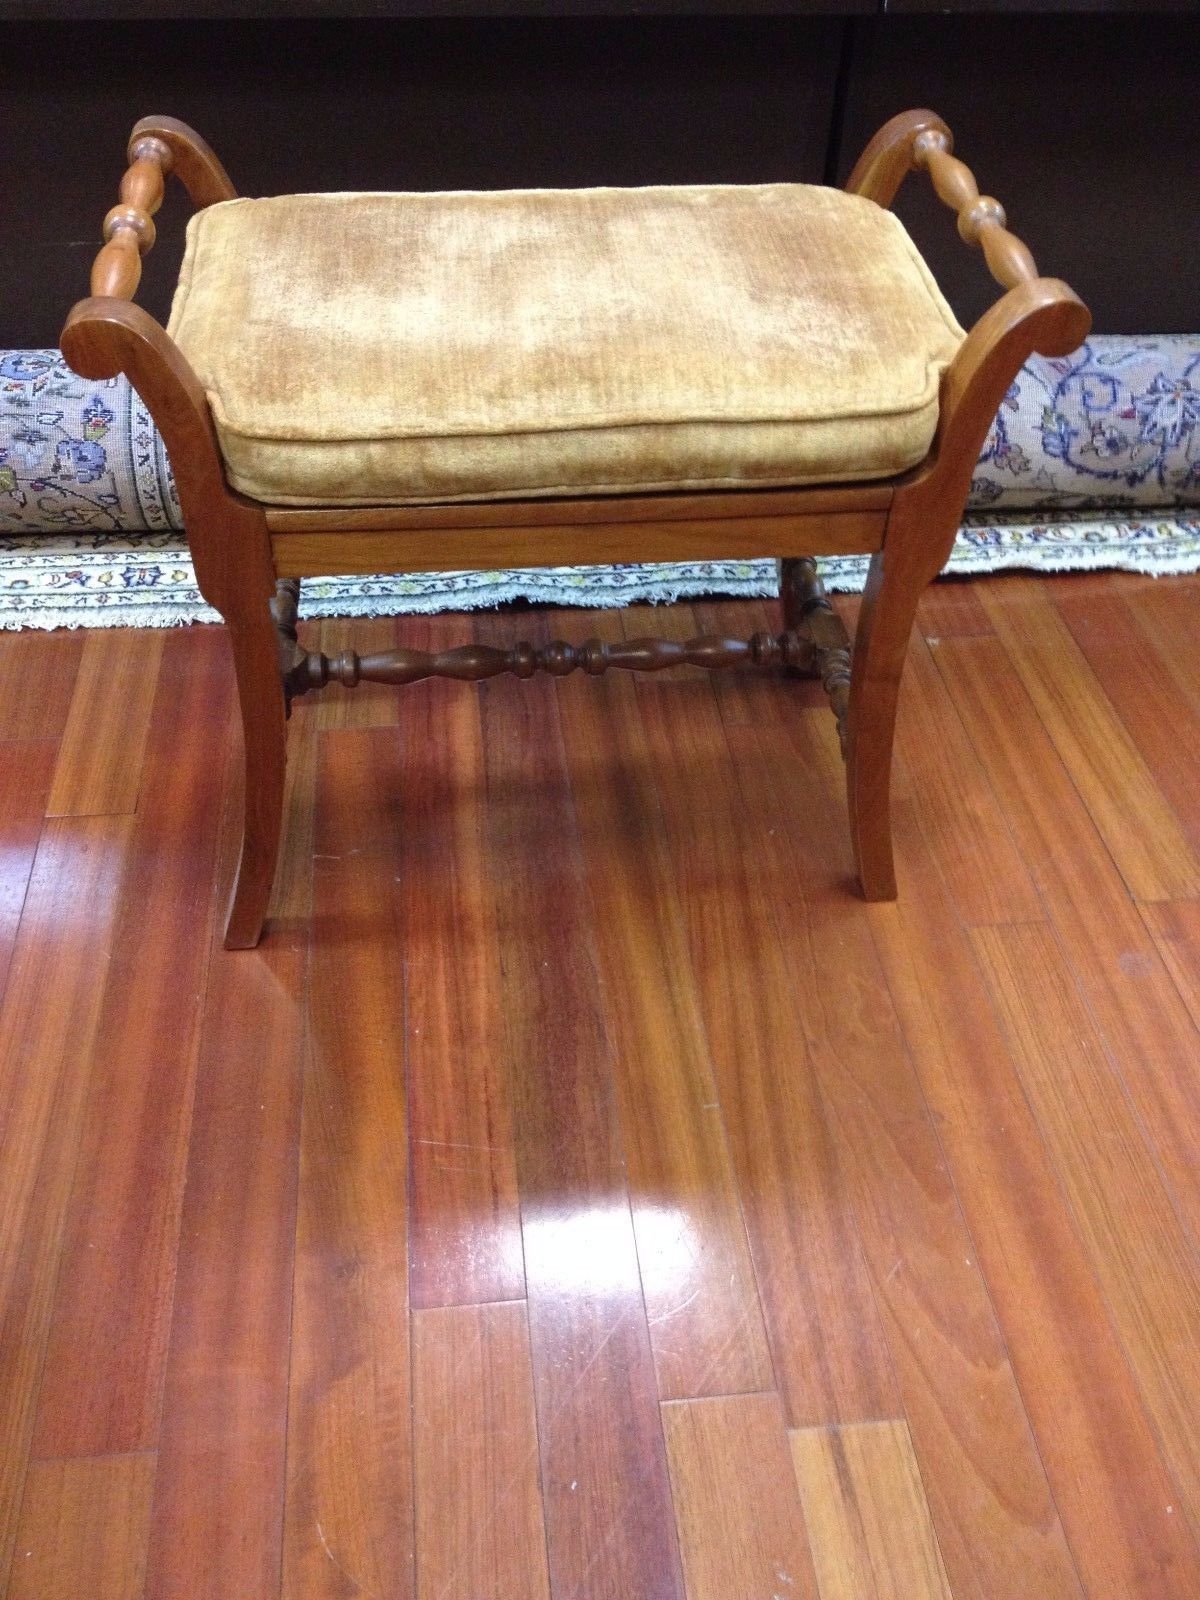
x=582, y=1194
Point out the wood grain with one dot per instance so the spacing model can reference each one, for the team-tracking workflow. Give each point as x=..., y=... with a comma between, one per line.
x=465, y=1243
x=1150, y=701
x=83, y=1529
x=25, y=773
x=741, y=1528
x=960, y=815
x=868, y=1519
x=479, y=1508
x=1176, y=931
x=102, y=1389
x=349, y=547
x=1138, y=1250
x=610, y=1530
x=218, y=1509
x=981, y=219
x=1102, y=1457
x=965, y=1159
x=100, y=759
x=827, y=1342
x=992, y=1508
x=62, y=950
x=37, y=681
x=951, y=609
x=706, y=1327
x=1144, y=1022
x=1138, y=827
x=348, y=1517
x=1166, y=614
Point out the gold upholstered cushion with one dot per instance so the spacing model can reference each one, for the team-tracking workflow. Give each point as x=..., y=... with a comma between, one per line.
x=398, y=348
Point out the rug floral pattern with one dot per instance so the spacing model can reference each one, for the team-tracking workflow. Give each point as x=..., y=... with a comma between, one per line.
x=1115, y=424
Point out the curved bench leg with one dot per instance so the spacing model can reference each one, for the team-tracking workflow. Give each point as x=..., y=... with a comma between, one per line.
x=264, y=738
x=884, y=625
x=231, y=552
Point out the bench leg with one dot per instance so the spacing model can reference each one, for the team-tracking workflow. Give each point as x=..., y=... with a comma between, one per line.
x=231, y=551
x=895, y=583
x=264, y=736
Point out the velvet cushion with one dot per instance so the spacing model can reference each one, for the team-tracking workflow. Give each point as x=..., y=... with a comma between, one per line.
x=398, y=348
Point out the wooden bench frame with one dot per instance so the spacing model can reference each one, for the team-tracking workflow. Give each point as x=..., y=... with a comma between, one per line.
x=249, y=557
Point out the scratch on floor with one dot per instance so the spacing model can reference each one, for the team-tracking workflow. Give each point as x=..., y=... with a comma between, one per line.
x=349, y=1576
x=665, y=1316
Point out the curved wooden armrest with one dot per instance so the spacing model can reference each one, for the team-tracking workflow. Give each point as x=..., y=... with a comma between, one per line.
x=981, y=220
x=888, y=159
x=157, y=145
x=1043, y=315
x=921, y=139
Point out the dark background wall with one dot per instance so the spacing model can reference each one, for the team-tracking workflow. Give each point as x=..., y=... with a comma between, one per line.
x=1086, y=126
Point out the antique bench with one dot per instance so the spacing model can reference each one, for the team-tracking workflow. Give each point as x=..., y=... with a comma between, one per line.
x=360, y=383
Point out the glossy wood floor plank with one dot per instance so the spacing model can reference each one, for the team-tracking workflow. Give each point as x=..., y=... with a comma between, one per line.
x=960, y=816
x=26, y=769
x=952, y=609
x=604, y=1477
x=827, y=1342
x=996, y=1521
x=217, y=1523
x=868, y=1519
x=83, y=1529
x=706, y=1326
x=867, y=1091
x=479, y=1506
x=99, y=769
x=1138, y=1250
x=1176, y=931
x=103, y=1386
x=465, y=1241
x=1166, y=614
x=37, y=680
x=348, y=1515
x=1149, y=701
x=1132, y=999
x=741, y=1528
x=1138, y=827
x=47, y=1032
x=1101, y=1454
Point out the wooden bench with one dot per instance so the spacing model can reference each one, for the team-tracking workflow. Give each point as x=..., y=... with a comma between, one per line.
x=566, y=377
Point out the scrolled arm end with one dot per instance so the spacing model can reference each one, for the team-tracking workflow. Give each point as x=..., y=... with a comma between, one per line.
x=891, y=155
x=180, y=150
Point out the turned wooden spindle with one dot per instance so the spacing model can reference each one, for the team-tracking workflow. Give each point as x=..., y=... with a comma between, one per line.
x=285, y=608
x=807, y=608
x=981, y=219
x=129, y=227
x=815, y=644
x=471, y=662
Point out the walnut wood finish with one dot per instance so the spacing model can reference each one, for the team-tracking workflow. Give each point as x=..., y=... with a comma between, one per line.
x=888, y=158
x=187, y=156
x=981, y=220
x=907, y=525
x=816, y=645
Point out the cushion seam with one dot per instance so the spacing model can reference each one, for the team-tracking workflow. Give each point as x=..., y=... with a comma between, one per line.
x=603, y=422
